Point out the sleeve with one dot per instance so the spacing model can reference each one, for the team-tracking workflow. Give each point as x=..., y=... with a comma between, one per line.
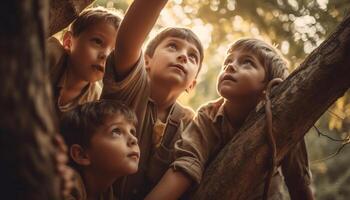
x=196, y=145
x=132, y=90
x=295, y=169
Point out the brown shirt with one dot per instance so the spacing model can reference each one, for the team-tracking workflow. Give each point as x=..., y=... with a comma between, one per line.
x=134, y=91
x=79, y=191
x=209, y=132
x=58, y=71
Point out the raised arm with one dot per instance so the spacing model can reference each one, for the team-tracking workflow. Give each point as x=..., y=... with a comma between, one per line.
x=137, y=23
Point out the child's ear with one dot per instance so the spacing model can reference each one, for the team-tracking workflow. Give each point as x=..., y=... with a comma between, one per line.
x=79, y=155
x=67, y=40
x=191, y=86
x=147, y=61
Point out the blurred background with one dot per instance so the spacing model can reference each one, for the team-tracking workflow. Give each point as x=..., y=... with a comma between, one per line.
x=295, y=27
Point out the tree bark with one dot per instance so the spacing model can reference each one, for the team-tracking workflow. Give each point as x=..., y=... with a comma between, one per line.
x=296, y=105
x=27, y=117
x=63, y=12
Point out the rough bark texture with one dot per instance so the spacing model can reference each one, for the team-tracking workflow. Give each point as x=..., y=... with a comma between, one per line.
x=63, y=12
x=296, y=105
x=27, y=123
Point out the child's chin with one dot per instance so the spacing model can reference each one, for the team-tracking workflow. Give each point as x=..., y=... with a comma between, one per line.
x=133, y=170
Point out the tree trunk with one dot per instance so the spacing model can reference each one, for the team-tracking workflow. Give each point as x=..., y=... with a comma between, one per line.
x=63, y=12
x=296, y=105
x=27, y=118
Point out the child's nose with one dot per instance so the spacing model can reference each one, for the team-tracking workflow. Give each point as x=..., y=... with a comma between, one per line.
x=103, y=54
x=232, y=67
x=132, y=140
x=182, y=57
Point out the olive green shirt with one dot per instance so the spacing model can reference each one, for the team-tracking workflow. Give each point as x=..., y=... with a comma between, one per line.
x=208, y=133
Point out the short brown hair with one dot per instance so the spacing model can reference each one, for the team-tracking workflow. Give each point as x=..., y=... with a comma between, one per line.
x=78, y=125
x=274, y=63
x=92, y=16
x=178, y=32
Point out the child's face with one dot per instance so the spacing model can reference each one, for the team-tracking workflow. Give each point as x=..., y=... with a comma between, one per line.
x=175, y=62
x=113, y=149
x=242, y=76
x=89, y=50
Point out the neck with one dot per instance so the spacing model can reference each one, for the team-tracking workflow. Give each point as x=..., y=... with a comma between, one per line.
x=73, y=82
x=164, y=97
x=96, y=184
x=238, y=110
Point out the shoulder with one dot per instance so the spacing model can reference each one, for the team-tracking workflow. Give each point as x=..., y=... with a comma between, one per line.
x=211, y=108
x=186, y=113
x=56, y=55
x=54, y=48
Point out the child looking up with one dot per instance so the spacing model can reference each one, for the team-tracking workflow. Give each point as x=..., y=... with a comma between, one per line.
x=150, y=83
x=249, y=66
x=102, y=146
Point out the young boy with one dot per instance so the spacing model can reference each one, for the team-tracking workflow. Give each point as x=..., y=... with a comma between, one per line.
x=102, y=146
x=77, y=66
x=151, y=84
x=248, y=67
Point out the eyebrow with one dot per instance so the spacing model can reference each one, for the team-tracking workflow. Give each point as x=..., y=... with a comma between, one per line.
x=180, y=40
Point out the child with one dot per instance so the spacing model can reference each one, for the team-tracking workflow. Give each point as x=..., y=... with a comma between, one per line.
x=77, y=66
x=102, y=146
x=151, y=84
x=249, y=66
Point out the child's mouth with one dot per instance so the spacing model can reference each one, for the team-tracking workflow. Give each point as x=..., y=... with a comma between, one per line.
x=134, y=155
x=180, y=67
x=228, y=77
x=99, y=68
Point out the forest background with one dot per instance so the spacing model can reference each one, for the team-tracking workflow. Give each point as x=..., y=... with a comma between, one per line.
x=295, y=27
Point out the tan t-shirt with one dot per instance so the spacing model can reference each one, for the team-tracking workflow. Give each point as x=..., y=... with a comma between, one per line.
x=58, y=70
x=134, y=91
x=208, y=133
x=79, y=191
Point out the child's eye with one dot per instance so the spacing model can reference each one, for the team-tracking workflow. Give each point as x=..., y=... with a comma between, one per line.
x=97, y=41
x=193, y=57
x=172, y=46
x=227, y=61
x=248, y=62
x=116, y=132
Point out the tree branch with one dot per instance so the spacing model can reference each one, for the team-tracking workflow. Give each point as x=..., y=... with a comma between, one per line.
x=63, y=12
x=296, y=105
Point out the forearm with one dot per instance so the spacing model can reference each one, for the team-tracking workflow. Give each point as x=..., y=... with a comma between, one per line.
x=301, y=193
x=171, y=186
x=136, y=25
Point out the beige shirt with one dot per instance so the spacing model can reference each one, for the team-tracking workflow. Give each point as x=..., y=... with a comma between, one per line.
x=58, y=71
x=79, y=191
x=156, y=156
x=208, y=133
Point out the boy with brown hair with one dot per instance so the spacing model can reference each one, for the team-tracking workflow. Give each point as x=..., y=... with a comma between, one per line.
x=77, y=66
x=102, y=146
x=151, y=84
x=249, y=66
